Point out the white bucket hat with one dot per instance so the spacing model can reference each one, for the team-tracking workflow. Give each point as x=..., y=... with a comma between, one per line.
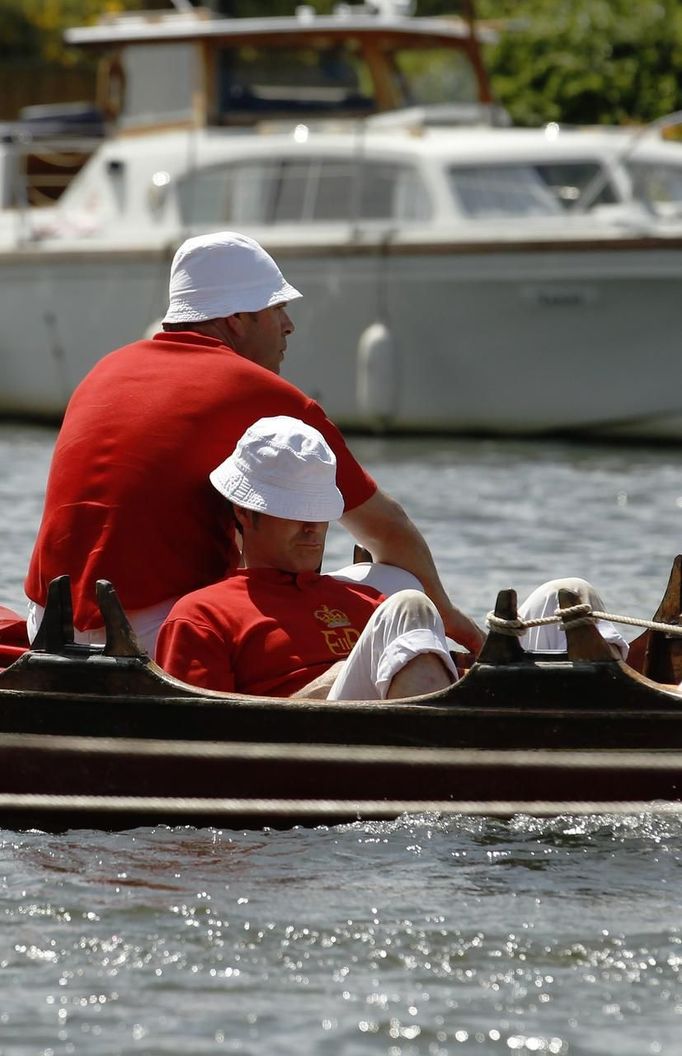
x=215, y=275
x=284, y=468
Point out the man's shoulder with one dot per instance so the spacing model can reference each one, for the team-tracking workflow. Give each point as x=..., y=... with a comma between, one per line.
x=207, y=603
x=348, y=588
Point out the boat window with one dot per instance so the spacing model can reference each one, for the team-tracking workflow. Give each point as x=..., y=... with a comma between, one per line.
x=433, y=76
x=155, y=83
x=303, y=190
x=501, y=190
x=258, y=81
x=658, y=186
x=569, y=179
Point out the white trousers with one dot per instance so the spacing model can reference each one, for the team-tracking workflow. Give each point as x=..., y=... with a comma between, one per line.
x=401, y=628
x=544, y=601
x=388, y=579
x=145, y=623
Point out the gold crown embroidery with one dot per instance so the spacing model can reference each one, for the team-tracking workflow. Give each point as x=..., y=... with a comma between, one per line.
x=332, y=617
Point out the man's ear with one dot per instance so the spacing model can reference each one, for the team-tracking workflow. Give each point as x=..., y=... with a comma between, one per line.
x=243, y=517
x=235, y=324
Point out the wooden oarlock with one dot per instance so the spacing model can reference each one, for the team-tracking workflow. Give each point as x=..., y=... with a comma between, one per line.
x=584, y=642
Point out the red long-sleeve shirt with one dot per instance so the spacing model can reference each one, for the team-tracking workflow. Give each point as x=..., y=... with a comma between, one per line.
x=128, y=497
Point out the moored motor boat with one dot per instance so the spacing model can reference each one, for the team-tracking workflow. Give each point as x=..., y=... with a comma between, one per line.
x=351, y=146
x=102, y=736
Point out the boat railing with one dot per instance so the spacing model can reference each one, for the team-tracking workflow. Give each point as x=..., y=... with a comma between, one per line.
x=441, y=115
x=44, y=149
x=594, y=187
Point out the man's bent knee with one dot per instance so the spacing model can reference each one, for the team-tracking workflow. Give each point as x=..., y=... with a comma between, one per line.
x=412, y=606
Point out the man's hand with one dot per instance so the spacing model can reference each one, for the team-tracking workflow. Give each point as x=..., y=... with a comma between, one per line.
x=463, y=630
x=463, y=661
x=319, y=688
x=381, y=525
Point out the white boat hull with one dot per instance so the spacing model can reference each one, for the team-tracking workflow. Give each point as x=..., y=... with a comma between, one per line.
x=474, y=338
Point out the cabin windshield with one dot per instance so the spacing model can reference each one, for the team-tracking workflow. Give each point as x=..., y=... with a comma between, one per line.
x=568, y=180
x=302, y=190
x=542, y=189
x=257, y=80
x=658, y=186
x=434, y=76
x=336, y=78
x=491, y=192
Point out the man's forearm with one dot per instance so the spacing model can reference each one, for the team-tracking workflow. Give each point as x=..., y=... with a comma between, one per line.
x=382, y=526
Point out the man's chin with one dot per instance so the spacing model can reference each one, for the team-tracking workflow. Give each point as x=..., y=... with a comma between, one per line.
x=307, y=566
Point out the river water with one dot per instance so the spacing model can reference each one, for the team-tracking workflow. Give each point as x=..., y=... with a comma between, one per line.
x=419, y=937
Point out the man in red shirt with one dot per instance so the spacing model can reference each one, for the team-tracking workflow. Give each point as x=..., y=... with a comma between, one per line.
x=275, y=625
x=128, y=497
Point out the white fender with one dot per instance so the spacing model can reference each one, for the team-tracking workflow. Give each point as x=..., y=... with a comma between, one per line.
x=376, y=381
x=152, y=329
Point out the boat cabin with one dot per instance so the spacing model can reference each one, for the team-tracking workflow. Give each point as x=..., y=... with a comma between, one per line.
x=309, y=182
x=194, y=67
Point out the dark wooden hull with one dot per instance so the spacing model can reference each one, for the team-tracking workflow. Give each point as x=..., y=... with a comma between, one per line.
x=114, y=742
x=62, y=782
x=105, y=738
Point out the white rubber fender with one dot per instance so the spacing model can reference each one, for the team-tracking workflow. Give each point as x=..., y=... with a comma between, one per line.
x=152, y=329
x=376, y=381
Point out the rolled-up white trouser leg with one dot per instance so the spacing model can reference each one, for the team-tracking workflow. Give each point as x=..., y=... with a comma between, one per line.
x=544, y=601
x=402, y=627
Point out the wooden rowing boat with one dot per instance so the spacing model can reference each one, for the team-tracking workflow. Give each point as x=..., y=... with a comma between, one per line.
x=102, y=736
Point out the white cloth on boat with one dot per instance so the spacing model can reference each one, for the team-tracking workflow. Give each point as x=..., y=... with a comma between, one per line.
x=388, y=579
x=544, y=601
x=145, y=623
x=404, y=626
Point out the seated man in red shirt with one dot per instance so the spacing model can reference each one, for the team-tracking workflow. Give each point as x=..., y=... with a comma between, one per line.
x=128, y=497
x=275, y=625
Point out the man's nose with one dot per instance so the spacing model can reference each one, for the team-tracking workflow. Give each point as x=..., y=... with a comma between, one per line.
x=287, y=324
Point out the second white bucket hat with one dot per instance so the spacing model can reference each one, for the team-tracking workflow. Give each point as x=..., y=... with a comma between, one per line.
x=284, y=468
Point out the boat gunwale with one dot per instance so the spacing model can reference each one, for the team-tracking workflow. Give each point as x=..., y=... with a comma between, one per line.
x=443, y=704
x=28, y=251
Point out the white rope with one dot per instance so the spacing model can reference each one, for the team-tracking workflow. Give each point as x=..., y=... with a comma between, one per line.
x=617, y=760
x=576, y=615
x=319, y=809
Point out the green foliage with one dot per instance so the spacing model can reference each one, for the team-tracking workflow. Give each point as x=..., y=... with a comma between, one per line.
x=19, y=37
x=33, y=29
x=586, y=61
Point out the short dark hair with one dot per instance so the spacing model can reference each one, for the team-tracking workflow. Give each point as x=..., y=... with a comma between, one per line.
x=255, y=516
x=174, y=328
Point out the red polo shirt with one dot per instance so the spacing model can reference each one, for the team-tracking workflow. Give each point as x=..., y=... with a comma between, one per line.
x=263, y=631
